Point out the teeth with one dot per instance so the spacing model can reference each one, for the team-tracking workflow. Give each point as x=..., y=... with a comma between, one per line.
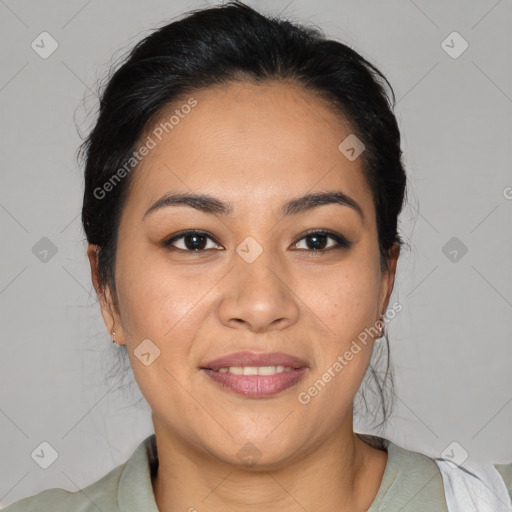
x=256, y=370
x=269, y=370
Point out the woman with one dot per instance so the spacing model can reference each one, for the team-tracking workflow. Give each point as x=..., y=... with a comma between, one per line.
x=242, y=189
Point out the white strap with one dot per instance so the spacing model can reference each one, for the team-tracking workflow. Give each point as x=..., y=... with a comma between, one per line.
x=474, y=487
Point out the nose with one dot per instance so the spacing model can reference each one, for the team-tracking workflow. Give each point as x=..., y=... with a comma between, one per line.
x=257, y=296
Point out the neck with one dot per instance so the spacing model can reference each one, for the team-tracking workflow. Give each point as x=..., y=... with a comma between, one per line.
x=344, y=474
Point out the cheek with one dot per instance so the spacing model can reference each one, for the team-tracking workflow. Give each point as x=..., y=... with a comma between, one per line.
x=159, y=307
x=152, y=298
x=345, y=299
x=345, y=305
x=169, y=309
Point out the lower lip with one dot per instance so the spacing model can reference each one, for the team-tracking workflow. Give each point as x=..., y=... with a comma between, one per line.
x=256, y=386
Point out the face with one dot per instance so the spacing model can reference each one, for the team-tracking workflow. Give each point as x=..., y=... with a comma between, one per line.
x=199, y=283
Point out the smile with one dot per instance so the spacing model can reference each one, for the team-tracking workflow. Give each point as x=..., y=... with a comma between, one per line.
x=256, y=381
x=255, y=370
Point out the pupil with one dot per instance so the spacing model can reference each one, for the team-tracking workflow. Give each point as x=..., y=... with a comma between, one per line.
x=195, y=238
x=318, y=237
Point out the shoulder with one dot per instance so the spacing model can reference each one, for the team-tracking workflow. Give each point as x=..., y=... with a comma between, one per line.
x=415, y=481
x=436, y=484
x=411, y=480
x=127, y=487
x=101, y=495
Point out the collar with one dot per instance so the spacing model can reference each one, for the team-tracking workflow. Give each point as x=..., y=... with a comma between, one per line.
x=135, y=490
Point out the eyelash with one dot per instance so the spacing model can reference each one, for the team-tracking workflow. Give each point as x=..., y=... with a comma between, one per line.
x=341, y=241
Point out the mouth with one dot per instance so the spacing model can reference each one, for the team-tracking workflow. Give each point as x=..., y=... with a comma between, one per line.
x=256, y=375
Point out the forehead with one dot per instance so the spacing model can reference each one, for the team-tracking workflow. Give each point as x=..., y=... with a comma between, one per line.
x=258, y=142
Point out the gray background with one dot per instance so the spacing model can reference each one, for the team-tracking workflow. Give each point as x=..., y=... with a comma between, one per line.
x=452, y=342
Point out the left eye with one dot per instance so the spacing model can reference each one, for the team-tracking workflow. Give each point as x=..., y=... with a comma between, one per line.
x=316, y=241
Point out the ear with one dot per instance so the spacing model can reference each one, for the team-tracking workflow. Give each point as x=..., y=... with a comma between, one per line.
x=109, y=311
x=389, y=277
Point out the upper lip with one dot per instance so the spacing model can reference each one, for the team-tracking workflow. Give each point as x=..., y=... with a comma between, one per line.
x=255, y=359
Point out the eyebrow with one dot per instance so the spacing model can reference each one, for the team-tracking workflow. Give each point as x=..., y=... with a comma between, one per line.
x=209, y=204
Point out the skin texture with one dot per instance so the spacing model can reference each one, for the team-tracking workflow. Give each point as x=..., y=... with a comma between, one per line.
x=256, y=146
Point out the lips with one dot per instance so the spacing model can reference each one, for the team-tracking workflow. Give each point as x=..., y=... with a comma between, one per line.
x=255, y=359
x=256, y=386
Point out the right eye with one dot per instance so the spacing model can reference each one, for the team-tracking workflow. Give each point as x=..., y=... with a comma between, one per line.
x=191, y=241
